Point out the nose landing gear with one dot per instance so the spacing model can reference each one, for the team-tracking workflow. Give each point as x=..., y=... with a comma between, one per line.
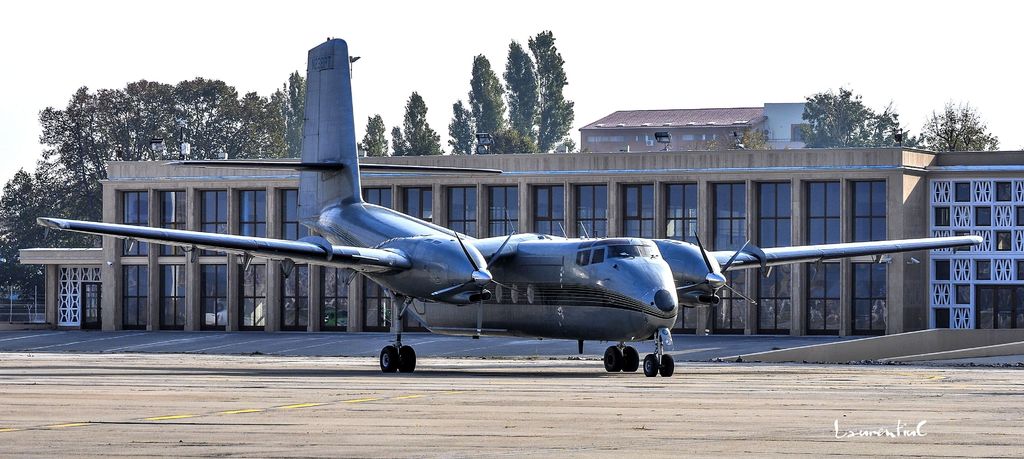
x=659, y=361
x=397, y=357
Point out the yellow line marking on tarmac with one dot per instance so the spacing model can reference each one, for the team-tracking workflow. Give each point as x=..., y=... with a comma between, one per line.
x=407, y=397
x=173, y=416
x=248, y=410
x=9, y=429
x=70, y=424
x=933, y=378
x=360, y=400
x=299, y=405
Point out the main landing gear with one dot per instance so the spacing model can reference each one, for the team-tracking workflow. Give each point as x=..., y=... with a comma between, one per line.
x=659, y=361
x=621, y=358
x=398, y=357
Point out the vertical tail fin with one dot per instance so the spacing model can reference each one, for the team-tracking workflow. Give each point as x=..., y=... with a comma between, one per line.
x=328, y=134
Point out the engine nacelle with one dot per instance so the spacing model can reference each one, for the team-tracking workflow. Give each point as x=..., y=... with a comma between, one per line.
x=694, y=299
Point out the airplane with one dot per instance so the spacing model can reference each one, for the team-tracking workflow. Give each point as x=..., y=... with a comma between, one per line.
x=617, y=290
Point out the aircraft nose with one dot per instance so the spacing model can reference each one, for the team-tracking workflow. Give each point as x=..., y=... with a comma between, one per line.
x=664, y=301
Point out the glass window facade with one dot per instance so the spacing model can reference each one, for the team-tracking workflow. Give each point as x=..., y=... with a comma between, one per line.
x=730, y=216
x=378, y=196
x=638, y=211
x=172, y=297
x=962, y=191
x=214, y=214
x=549, y=209
x=376, y=307
x=731, y=313
x=252, y=213
x=134, y=296
x=173, y=215
x=775, y=303
x=334, y=283
x=295, y=298
x=592, y=210
x=823, y=298
x=252, y=304
x=462, y=209
x=213, y=296
x=681, y=211
x=823, y=204
x=419, y=202
x=999, y=306
x=869, y=308
x=502, y=210
x=135, y=211
x=291, y=229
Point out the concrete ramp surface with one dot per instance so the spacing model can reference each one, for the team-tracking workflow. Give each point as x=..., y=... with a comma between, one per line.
x=935, y=344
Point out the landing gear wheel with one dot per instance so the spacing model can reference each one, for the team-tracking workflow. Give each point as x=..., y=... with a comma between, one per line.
x=389, y=359
x=406, y=359
x=630, y=359
x=668, y=366
x=612, y=359
x=651, y=366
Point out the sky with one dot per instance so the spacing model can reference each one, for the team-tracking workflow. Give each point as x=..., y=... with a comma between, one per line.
x=618, y=55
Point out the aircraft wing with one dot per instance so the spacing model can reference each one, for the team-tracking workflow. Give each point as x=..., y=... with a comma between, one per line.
x=315, y=250
x=751, y=258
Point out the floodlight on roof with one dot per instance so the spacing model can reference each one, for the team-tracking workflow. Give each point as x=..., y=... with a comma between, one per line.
x=157, y=145
x=663, y=137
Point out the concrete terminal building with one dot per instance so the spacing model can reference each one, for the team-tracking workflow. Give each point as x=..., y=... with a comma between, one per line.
x=774, y=198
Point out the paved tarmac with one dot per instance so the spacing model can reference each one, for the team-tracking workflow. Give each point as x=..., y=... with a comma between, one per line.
x=685, y=347
x=192, y=405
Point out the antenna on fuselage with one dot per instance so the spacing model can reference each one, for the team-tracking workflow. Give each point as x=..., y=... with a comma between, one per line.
x=584, y=228
x=562, y=228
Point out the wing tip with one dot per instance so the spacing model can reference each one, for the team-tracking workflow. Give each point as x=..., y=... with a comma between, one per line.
x=50, y=222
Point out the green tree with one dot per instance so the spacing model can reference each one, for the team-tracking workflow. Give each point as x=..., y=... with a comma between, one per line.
x=258, y=130
x=422, y=140
x=957, y=128
x=461, y=130
x=374, y=143
x=521, y=87
x=509, y=140
x=486, y=97
x=841, y=120
x=398, y=142
x=555, y=112
x=292, y=102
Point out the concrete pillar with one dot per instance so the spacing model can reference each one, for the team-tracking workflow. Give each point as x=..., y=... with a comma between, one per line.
x=797, y=272
x=110, y=269
x=316, y=299
x=233, y=274
x=52, y=293
x=705, y=314
x=481, y=211
x=356, y=311
x=660, y=200
x=526, y=206
x=845, y=266
x=153, y=294
x=193, y=310
x=752, y=275
x=614, y=208
x=274, y=277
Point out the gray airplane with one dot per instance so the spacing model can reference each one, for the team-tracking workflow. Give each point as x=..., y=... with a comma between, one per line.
x=616, y=290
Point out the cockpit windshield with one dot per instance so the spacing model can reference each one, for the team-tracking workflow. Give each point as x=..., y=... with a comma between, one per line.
x=629, y=251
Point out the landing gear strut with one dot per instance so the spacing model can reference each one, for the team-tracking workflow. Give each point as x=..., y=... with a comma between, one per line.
x=659, y=361
x=397, y=357
x=621, y=358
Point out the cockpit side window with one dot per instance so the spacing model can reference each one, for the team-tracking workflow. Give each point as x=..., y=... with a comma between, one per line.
x=583, y=257
x=598, y=255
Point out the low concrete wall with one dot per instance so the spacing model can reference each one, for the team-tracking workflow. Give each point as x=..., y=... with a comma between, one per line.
x=889, y=346
x=997, y=350
x=9, y=327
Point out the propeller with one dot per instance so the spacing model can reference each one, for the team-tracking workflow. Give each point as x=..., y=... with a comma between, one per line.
x=480, y=276
x=714, y=278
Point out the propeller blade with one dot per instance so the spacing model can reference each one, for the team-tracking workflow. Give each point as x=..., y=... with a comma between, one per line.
x=466, y=251
x=498, y=252
x=733, y=257
x=737, y=292
x=451, y=289
x=506, y=286
x=704, y=253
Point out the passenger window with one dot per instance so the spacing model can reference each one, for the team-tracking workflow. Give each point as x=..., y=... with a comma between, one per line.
x=582, y=257
x=598, y=255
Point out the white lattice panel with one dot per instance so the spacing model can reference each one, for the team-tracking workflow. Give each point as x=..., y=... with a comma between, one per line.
x=1018, y=190
x=69, y=305
x=1002, y=270
x=1018, y=241
x=961, y=270
x=982, y=191
x=1003, y=216
x=940, y=295
x=941, y=192
x=961, y=318
x=962, y=216
x=986, y=245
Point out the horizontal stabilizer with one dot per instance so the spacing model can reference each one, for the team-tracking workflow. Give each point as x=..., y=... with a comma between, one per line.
x=326, y=167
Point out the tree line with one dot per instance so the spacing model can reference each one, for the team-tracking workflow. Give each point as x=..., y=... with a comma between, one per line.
x=525, y=113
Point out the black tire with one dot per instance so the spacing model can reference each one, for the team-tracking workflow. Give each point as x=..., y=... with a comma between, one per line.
x=651, y=366
x=389, y=359
x=668, y=366
x=630, y=359
x=612, y=359
x=406, y=359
